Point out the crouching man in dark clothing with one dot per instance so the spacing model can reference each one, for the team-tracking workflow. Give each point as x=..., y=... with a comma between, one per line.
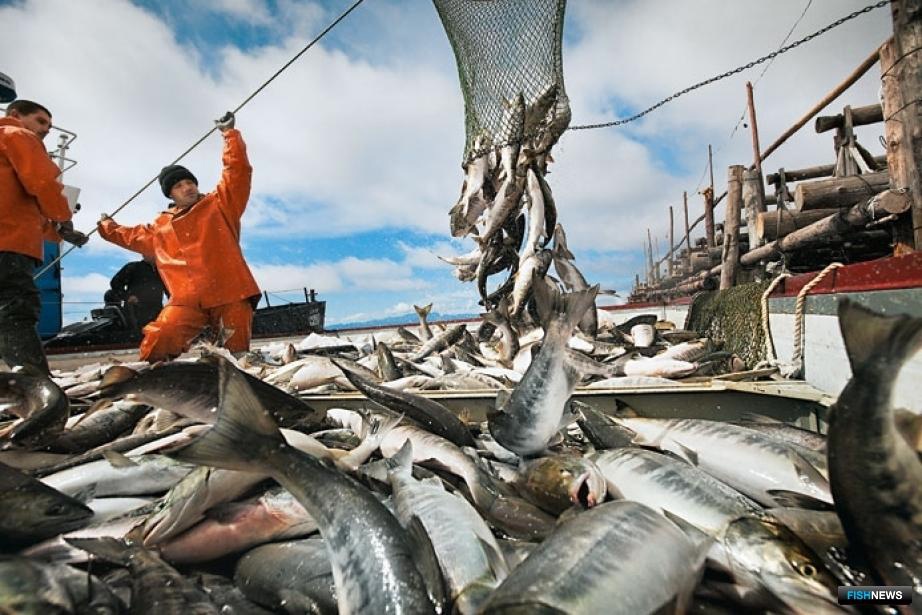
x=138, y=288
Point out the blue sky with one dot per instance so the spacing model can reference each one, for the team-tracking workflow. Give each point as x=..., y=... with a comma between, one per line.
x=357, y=147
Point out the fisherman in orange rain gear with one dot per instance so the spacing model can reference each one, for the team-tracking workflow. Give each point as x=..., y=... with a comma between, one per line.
x=195, y=245
x=32, y=208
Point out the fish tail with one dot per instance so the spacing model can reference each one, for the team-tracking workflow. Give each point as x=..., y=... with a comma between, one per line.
x=564, y=310
x=423, y=311
x=874, y=341
x=106, y=548
x=561, y=252
x=401, y=463
x=242, y=433
x=117, y=374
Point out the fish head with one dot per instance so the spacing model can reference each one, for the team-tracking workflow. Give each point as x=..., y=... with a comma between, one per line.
x=763, y=552
x=557, y=481
x=24, y=394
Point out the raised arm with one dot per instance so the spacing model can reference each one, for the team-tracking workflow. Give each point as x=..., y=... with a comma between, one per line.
x=234, y=187
x=135, y=238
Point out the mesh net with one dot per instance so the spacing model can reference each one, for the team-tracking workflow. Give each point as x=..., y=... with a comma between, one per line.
x=733, y=317
x=503, y=47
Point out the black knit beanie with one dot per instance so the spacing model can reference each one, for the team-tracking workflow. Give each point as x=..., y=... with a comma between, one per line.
x=172, y=175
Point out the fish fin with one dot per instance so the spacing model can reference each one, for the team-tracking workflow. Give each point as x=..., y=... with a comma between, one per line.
x=695, y=535
x=402, y=461
x=423, y=311
x=427, y=562
x=566, y=309
x=792, y=499
x=909, y=424
x=85, y=495
x=242, y=425
x=502, y=398
x=495, y=559
x=686, y=453
x=116, y=374
x=105, y=548
x=98, y=405
x=754, y=417
x=870, y=337
x=118, y=460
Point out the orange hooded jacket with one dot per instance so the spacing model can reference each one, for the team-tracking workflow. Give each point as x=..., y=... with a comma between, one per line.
x=30, y=194
x=197, y=252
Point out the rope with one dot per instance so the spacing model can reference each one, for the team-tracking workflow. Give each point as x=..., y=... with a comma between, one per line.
x=771, y=358
x=795, y=369
x=213, y=128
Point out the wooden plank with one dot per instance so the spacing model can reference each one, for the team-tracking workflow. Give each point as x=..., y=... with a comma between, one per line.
x=861, y=116
x=824, y=170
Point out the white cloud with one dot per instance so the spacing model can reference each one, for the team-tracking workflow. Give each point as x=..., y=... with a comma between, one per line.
x=365, y=133
x=93, y=283
x=251, y=11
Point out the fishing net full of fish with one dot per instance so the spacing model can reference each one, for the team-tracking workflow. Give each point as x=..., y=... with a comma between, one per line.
x=510, y=66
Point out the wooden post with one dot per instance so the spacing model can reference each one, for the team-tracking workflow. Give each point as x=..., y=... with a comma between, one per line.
x=752, y=182
x=687, y=231
x=893, y=137
x=731, y=247
x=649, y=258
x=656, y=275
x=671, y=267
x=907, y=36
x=754, y=129
x=709, y=203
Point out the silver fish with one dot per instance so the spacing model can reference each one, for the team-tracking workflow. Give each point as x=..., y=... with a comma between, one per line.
x=874, y=472
x=770, y=472
x=471, y=561
x=532, y=414
x=617, y=557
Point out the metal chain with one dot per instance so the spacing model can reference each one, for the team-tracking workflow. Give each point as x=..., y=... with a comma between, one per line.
x=739, y=69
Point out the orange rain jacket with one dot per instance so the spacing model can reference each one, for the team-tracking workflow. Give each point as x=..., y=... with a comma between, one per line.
x=198, y=251
x=30, y=194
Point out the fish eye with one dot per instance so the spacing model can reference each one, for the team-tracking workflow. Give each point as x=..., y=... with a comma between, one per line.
x=808, y=570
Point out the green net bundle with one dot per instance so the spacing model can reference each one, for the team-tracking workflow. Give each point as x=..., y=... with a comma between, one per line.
x=733, y=317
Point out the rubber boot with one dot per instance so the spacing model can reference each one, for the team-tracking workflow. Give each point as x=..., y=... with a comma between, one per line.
x=22, y=346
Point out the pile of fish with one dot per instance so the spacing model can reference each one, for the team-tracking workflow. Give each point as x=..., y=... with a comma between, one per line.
x=207, y=485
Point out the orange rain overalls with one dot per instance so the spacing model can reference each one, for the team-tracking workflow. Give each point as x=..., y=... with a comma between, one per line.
x=198, y=256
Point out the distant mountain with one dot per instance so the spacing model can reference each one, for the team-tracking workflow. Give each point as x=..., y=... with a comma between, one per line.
x=400, y=319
